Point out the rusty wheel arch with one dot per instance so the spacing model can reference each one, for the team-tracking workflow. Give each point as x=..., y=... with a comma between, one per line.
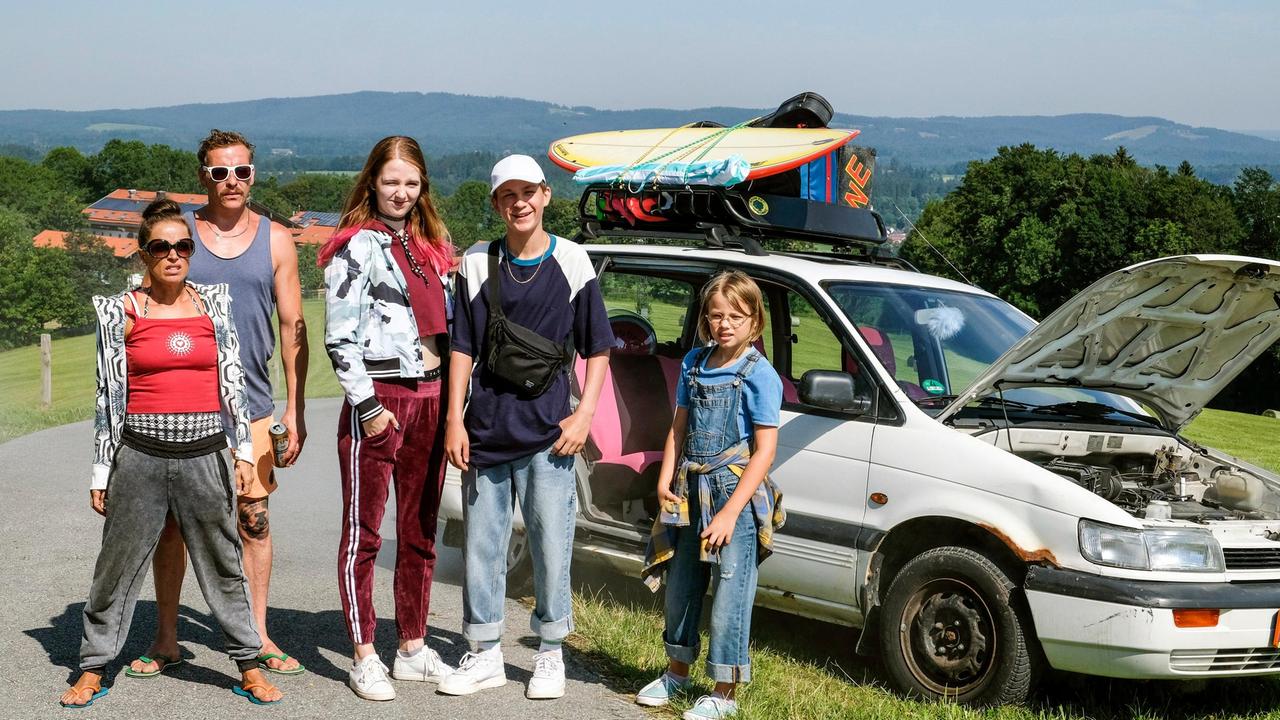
x=907, y=540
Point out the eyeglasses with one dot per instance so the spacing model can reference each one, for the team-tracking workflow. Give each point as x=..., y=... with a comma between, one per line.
x=735, y=321
x=218, y=173
x=159, y=249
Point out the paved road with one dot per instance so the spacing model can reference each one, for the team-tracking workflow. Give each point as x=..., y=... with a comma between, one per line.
x=51, y=538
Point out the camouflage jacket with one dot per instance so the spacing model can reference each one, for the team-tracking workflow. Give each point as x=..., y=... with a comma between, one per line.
x=113, y=378
x=369, y=328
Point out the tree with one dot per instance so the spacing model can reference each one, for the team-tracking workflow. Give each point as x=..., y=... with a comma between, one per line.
x=318, y=192
x=36, y=286
x=561, y=216
x=310, y=276
x=469, y=215
x=1256, y=197
x=72, y=171
x=134, y=164
x=38, y=194
x=1036, y=227
x=95, y=270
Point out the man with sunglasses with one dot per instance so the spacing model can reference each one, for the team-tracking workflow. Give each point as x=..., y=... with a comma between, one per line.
x=256, y=257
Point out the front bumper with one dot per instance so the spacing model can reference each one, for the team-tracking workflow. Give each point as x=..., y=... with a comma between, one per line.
x=1124, y=628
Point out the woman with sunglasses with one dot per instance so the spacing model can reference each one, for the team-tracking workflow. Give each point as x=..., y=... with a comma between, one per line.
x=168, y=368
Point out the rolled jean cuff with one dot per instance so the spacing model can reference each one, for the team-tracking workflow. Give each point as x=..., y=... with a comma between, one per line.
x=682, y=653
x=482, y=632
x=554, y=630
x=247, y=665
x=729, y=673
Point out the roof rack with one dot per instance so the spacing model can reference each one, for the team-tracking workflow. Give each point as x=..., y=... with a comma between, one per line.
x=720, y=217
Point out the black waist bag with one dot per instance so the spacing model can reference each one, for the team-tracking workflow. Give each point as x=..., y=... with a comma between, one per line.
x=520, y=357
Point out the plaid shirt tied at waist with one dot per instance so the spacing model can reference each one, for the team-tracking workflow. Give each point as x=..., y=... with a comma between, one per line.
x=766, y=507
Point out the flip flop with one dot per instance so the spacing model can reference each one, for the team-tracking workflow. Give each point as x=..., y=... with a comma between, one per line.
x=246, y=692
x=164, y=661
x=97, y=694
x=282, y=657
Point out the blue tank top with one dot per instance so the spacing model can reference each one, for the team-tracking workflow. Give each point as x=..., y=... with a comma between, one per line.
x=253, y=298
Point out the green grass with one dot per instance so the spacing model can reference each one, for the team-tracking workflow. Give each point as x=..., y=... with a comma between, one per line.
x=1249, y=437
x=796, y=676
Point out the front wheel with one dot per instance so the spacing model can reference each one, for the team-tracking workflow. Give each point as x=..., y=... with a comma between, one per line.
x=952, y=630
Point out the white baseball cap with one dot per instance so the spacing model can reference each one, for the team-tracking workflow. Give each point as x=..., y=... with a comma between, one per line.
x=515, y=167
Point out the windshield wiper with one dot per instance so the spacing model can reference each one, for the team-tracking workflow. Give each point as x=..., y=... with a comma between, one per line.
x=991, y=400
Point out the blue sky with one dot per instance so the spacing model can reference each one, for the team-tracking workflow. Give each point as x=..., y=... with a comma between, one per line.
x=1201, y=63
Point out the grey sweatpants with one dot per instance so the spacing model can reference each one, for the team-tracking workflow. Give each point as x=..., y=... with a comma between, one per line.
x=141, y=492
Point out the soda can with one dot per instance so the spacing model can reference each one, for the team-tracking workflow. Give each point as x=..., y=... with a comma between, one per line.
x=279, y=442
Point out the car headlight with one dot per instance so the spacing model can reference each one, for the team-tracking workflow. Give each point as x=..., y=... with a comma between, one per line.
x=1176, y=549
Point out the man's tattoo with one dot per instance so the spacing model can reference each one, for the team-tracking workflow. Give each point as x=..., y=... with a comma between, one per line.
x=253, y=519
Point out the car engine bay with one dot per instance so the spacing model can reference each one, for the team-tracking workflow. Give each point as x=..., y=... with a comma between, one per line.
x=1148, y=476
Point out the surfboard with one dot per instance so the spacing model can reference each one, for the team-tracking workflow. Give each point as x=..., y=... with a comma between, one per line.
x=768, y=150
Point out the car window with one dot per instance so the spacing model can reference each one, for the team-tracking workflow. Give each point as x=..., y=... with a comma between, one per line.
x=813, y=345
x=809, y=343
x=934, y=342
x=639, y=302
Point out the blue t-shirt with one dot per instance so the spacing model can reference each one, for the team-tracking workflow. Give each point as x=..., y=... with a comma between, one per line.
x=554, y=296
x=761, y=390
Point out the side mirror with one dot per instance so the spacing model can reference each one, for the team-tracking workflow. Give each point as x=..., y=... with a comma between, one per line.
x=833, y=390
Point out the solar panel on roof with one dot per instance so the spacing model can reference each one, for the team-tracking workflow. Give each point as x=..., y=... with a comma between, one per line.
x=134, y=206
x=311, y=217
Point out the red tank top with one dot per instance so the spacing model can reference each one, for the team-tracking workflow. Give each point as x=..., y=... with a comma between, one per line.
x=173, y=365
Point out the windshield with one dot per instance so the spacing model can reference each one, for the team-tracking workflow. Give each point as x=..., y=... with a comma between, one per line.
x=936, y=342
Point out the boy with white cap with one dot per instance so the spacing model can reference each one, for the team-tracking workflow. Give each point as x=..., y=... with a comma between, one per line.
x=510, y=441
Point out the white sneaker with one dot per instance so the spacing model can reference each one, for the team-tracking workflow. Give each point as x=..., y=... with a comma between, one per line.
x=476, y=672
x=711, y=707
x=426, y=666
x=368, y=678
x=547, y=682
x=658, y=693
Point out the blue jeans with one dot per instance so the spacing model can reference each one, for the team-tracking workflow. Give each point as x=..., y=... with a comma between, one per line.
x=544, y=483
x=734, y=591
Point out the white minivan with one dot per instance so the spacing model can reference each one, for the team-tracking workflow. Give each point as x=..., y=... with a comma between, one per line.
x=986, y=497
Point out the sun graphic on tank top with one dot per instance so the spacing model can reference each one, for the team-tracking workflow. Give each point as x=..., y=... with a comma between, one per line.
x=180, y=344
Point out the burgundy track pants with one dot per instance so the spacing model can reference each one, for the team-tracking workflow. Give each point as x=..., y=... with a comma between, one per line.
x=412, y=458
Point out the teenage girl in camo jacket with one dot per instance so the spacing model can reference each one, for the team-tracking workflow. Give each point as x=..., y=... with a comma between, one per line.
x=386, y=332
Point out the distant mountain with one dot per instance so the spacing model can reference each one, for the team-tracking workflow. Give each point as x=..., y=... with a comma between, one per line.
x=1267, y=134
x=334, y=125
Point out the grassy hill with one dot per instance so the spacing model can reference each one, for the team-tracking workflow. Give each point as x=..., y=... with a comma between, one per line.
x=335, y=125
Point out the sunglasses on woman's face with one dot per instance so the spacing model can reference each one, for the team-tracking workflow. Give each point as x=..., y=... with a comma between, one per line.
x=218, y=173
x=159, y=249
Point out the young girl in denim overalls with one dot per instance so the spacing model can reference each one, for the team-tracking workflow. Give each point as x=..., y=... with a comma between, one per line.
x=718, y=508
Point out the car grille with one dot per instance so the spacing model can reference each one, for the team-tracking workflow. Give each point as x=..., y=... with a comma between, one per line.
x=1252, y=558
x=1224, y=661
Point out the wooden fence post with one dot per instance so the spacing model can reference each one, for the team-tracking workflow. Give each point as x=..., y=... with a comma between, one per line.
x=46, y=370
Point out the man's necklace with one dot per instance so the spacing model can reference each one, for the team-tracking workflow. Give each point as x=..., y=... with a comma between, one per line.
x=538, y=267
x=220, y=236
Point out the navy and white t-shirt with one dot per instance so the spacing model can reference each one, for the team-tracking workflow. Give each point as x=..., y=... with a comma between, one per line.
x=554, y=295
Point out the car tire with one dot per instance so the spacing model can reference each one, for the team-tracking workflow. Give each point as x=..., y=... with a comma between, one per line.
x=519, y=564
x=953, y=628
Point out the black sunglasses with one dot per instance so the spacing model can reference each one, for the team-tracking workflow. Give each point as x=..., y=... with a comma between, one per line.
x=159, y=249
x=218, y=173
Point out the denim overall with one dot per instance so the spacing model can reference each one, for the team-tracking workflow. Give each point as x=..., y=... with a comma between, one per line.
x=712, y=429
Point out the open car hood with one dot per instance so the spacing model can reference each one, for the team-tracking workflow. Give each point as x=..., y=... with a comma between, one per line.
x=1168, y=333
